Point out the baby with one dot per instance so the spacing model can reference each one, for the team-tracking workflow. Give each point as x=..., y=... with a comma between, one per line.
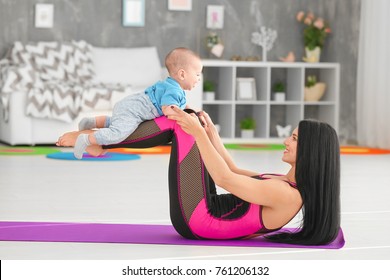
x=184, y=68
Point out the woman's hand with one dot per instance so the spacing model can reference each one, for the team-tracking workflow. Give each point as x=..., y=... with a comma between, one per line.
x=188, y=122
x=209, y=125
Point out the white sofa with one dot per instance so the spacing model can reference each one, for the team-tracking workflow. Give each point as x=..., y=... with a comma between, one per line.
x=138, y=67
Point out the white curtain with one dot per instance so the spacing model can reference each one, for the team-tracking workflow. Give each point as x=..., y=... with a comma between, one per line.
x=373, y=81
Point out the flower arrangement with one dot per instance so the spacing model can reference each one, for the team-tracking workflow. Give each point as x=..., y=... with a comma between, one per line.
x=316, y=30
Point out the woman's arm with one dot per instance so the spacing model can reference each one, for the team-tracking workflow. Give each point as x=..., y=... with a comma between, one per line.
x=263, y=192
x=216, y=140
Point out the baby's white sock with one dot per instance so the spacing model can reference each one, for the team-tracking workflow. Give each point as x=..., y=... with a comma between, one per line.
x=87, y=123
x=82, y=142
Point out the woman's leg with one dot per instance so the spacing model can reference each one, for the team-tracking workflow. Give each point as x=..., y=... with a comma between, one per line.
x=196, y=210
x=192, y=192
x=186, y=169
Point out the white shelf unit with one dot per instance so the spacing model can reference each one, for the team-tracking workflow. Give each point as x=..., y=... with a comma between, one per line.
x=227, y=111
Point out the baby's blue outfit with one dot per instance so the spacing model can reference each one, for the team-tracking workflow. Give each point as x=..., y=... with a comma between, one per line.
x=134, y=109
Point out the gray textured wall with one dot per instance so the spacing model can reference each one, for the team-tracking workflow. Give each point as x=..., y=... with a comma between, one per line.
x=99, y=23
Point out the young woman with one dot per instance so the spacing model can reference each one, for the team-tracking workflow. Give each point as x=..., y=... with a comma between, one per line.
x=256, y=203
x=313, y=180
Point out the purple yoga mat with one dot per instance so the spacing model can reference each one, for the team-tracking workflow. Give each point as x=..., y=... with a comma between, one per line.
x=127, y=233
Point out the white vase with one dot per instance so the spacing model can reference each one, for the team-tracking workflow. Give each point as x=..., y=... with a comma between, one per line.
x=280, y=96
x=209, y=96
x=247, y=133
x=312, y=55
x=264, y=51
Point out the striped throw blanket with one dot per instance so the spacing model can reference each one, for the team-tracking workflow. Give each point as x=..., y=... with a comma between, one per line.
x=57, y=79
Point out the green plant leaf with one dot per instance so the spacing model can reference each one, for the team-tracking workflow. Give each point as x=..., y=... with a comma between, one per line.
x=208, y=86
x=248, y=123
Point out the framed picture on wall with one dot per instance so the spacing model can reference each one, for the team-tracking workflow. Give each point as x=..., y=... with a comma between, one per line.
x=215, y=17
x=246, y=89
x=180, y=5
x=44, y=14
x=133, y=13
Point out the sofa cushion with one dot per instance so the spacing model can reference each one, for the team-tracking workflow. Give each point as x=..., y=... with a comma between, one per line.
x=138, y=67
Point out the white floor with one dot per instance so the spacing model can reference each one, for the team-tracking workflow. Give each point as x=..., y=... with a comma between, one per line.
x=34, y=188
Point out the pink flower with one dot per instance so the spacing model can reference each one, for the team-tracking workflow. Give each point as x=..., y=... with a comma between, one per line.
x=315, y=30
x=319, y=23
x=308, y=20
x=310, y=15
x=300, y=16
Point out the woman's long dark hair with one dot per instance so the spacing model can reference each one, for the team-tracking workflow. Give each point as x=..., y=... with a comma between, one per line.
x=317, y=175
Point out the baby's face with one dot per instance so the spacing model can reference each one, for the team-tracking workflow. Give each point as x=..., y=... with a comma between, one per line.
x=192, y=75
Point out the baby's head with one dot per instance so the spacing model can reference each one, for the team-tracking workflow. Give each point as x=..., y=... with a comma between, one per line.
x=184, y=66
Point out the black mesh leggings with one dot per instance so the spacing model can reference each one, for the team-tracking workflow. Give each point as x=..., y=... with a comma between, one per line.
x=189, y=181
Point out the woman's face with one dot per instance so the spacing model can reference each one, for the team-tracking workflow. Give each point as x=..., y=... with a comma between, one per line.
x=290, y=153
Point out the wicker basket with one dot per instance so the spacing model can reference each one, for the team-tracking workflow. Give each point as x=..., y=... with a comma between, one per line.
x=315, y=92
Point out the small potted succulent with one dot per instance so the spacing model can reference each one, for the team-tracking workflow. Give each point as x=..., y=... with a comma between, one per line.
x=208, y=90
x=248, y=126
x=279, y=92
x=314, y=90
x=214, y=44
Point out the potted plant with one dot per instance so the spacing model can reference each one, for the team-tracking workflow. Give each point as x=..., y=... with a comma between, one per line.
x=314, y=90
x=279, y=92
x=208, y=90
x=248, y=126
x=214, y=44
x=314, y=34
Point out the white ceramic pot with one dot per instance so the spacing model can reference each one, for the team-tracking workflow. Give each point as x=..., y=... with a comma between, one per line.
x=280, y=96
x=209, y=96
x=247, y=133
